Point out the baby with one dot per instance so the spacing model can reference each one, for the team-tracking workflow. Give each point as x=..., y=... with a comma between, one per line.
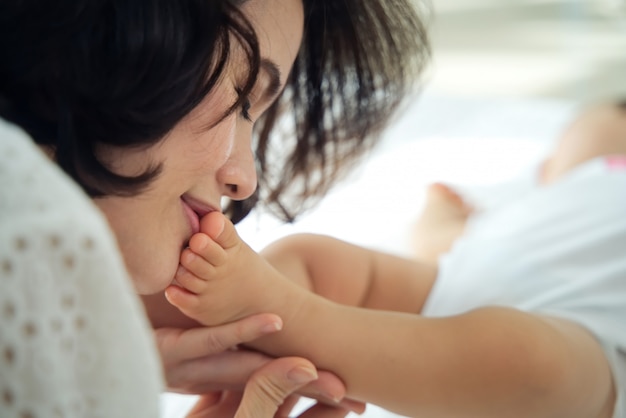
x=534, y=331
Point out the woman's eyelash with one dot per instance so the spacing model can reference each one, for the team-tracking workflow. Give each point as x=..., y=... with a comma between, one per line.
x=245, y=106
x=245, y=109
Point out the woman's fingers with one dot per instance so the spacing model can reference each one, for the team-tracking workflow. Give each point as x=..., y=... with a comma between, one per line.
x=325, y=411
x=232, y=369
x=284, y=410
x=271, y=385
x=206, y=403
x=224, y=371
x=178, y=345
x=200, y=360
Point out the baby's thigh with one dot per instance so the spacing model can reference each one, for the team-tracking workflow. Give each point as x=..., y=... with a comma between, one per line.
x=599, y=131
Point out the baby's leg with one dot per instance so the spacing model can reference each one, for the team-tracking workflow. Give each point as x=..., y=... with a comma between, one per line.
x=220, y=276
x=441, y=222
x=598, y=131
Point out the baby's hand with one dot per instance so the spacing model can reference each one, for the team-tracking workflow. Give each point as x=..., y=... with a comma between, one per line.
x=219, y=274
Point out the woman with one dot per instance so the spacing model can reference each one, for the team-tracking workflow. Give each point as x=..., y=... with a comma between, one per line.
x=74, y=340
x=150, y=108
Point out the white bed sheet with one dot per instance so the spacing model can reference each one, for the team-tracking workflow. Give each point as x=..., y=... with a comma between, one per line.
x=488, y=149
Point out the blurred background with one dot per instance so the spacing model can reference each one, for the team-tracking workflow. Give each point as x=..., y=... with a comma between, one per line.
x=559, y=49
x=505, y=79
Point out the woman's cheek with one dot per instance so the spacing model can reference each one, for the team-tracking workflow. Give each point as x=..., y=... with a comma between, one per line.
x=152, y=256
x=212, y=150
x=155, y=277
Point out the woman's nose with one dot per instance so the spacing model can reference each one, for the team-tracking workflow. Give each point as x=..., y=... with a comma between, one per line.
x=238, y=175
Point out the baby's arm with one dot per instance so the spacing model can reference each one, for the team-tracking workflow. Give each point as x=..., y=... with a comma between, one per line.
x=352, y=275
x=490, y=362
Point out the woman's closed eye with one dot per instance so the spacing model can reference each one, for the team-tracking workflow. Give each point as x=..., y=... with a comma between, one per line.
x=245, y=109
x=245, y=104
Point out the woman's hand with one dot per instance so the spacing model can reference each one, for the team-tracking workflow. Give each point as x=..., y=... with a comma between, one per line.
x=269, y=393
x=202, y=361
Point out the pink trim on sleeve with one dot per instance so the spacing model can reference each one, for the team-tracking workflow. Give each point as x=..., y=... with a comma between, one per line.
x=616, y=162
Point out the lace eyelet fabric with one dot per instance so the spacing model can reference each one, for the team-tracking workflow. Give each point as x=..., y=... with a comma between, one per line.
x=74, y=339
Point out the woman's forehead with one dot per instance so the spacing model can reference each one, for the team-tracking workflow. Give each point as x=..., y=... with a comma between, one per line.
x=279, y=25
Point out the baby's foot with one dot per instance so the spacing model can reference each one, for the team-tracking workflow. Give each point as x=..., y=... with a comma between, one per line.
x=217, y=273
x=441, y=222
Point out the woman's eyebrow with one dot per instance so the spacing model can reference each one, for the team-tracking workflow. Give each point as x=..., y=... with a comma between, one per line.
x=273, y=73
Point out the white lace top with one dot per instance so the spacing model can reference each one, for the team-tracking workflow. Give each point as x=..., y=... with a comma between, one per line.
x=74, y=340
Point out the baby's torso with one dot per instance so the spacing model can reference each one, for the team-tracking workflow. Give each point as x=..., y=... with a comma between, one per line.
x=559, y=247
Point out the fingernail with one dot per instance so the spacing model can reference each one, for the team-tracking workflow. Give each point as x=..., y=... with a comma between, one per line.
x=222, y=227
x=330, y=398
x=353, y=406
x=272, y=327
x=301, y=375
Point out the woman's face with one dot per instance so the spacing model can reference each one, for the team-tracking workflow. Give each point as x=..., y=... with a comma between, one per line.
x=200, y=165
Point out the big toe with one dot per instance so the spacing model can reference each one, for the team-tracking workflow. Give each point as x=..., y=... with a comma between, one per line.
x=220, y=229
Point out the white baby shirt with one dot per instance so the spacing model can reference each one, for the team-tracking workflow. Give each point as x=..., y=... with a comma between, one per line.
x=74, y=339
x=559, y=250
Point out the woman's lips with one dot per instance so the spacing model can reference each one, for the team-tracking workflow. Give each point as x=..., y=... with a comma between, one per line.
x=192, y=217
x=195, y=210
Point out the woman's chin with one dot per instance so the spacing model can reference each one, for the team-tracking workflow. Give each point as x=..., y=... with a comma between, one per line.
x=146, y=286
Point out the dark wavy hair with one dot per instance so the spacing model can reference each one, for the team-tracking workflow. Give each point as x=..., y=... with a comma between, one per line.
x=79, y=74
